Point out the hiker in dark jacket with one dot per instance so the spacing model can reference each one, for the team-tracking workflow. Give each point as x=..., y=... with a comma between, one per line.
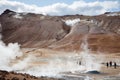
x=115, y=65
x=110, y=63
x=107, y=64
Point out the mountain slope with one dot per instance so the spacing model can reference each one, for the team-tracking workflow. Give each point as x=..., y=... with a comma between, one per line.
x=36, y=30
x=30, y=29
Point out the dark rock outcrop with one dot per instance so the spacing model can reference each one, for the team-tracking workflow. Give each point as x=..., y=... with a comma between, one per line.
x=5, y=75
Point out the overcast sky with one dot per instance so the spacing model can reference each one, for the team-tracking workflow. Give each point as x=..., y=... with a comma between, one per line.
x=61, y=7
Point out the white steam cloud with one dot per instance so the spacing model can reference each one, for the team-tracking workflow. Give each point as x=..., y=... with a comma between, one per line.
x=55, y=67
x=88, y=58
x=7, y=53
x=12, y=59
x=77, y=7
x=72, y=22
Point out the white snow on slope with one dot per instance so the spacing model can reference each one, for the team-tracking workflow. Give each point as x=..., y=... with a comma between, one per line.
x=72, y=22
x=18, y=16
x=113, y=14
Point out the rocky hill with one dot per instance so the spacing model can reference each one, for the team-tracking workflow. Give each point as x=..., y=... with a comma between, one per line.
x=62, y=32
x=5, y=75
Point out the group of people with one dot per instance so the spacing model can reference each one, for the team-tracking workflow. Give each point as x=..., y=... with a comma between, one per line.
x=110, y=64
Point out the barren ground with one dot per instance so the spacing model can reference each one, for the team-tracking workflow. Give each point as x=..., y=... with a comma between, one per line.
x=43, y=57
x=103, y=57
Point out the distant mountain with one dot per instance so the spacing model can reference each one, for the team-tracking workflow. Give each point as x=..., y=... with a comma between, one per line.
x=62, y=32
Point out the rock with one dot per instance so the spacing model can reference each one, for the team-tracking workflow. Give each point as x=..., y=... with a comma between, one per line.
x=7, y=11
x=93, y=72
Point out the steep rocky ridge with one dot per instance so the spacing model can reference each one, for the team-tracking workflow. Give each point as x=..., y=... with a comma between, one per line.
x=31, y=30
x=36, y=30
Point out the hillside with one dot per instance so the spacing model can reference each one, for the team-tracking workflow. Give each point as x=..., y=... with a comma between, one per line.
x=44, y=31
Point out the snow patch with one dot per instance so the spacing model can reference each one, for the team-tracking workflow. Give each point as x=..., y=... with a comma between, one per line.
x=42, y=17
x=72, y=22
x=17, y=15
x=113, y=14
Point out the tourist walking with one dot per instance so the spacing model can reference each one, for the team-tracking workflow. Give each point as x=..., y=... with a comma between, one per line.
x=107, y=64
x=115, y=65
x=110, y=63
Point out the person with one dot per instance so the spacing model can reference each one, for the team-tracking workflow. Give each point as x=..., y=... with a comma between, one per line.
x=79, y=62
x=115, y=65
x=110, y=63
x=107, y=64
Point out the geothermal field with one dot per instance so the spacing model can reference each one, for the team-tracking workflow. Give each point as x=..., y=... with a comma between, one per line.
x=71, y=47
x=63, y=65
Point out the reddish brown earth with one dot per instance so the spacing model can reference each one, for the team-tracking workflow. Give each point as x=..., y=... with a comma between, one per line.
x=5, y=75
x=39, y=31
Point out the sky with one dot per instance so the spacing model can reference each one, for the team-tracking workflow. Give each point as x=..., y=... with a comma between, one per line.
x=61, y=7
